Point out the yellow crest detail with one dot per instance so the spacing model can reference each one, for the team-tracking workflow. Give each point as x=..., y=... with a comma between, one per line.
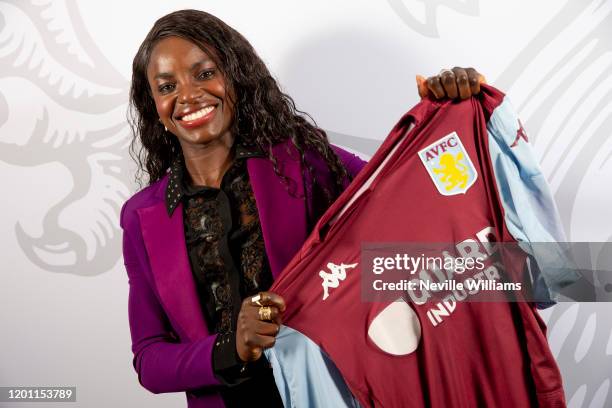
x=453, y=172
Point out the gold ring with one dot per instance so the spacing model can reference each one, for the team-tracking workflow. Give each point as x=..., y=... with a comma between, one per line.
x=256, y=300
x=265, y=313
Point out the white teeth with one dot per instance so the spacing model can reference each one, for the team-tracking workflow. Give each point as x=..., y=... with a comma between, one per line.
x=198, y=114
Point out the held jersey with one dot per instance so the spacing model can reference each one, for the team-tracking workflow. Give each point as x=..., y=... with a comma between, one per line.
x=447, y=172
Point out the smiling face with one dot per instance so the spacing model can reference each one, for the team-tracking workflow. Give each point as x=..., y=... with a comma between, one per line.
x=190, y=93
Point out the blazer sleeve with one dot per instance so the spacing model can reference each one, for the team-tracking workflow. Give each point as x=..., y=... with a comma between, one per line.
x=162, y=361
x=352, y=162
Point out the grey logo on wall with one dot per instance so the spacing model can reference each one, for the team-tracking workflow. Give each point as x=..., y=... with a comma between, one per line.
x=565, y=72
x=63, y=103
x=427, y=23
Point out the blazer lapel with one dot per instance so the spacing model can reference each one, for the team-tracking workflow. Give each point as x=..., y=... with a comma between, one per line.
x=164, y=240
x=283, y=223
x=282, y=216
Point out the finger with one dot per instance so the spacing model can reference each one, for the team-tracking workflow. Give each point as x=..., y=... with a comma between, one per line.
x=250, y=314
x=422, y=86
x=256, y=354
x=272, y=299
x=249, y=354
x=259, y=341
x=267, y=329
x=434, y=85
x=474, y=80
x=463, y=83
x=447, y=78
x=262, y=314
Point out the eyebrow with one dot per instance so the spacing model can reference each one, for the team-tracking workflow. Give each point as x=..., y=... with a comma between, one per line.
x=167, y=75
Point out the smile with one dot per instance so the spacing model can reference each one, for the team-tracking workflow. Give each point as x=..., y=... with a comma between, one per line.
x=196, y=115
x=199, y=117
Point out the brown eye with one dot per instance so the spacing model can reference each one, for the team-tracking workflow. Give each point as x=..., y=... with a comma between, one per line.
x=165, y=88
x=206, y=74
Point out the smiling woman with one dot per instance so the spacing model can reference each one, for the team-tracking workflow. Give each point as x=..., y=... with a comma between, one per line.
x=237, y=178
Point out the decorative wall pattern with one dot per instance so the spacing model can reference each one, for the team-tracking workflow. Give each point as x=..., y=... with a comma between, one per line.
x=64, y=139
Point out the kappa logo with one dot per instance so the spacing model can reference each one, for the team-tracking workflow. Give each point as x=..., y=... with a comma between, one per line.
x=449, y=165
x=332, y=280
x=520, y=134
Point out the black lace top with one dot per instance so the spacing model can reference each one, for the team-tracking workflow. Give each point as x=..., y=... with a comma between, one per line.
x=228, y=260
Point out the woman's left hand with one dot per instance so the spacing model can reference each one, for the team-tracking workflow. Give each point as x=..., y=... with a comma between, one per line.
x=451, y=83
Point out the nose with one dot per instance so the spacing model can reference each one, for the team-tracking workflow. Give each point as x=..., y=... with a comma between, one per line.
x=190, y=93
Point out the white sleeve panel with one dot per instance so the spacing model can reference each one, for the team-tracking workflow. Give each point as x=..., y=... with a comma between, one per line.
x=530, y=212
x=304, y=374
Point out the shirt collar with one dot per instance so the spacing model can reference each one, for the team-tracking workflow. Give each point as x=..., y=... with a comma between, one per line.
x=177, y=181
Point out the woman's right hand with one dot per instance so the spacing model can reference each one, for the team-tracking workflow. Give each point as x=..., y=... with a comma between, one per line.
x=253, y=334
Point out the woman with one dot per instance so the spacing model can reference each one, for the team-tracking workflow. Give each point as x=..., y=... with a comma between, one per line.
x=237, y=179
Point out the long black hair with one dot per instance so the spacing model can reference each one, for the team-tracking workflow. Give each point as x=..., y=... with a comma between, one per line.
x=263, y=115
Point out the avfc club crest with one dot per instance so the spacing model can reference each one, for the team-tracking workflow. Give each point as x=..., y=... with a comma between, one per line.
x=449, y=165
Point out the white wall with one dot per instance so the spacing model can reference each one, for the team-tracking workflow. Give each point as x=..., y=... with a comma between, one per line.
x=65, y=171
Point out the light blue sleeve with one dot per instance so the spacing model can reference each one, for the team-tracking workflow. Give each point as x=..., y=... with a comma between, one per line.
x=529, y=208
x=304, y=374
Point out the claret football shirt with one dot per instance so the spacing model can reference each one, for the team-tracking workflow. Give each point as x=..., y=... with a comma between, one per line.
x=459, y=172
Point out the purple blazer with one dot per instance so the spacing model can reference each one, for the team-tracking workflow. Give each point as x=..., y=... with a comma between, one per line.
x=171, y=344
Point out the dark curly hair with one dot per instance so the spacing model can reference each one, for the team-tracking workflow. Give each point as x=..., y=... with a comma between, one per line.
x=263, y=115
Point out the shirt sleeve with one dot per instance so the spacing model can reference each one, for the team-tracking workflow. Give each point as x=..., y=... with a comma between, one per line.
x=530, y=212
